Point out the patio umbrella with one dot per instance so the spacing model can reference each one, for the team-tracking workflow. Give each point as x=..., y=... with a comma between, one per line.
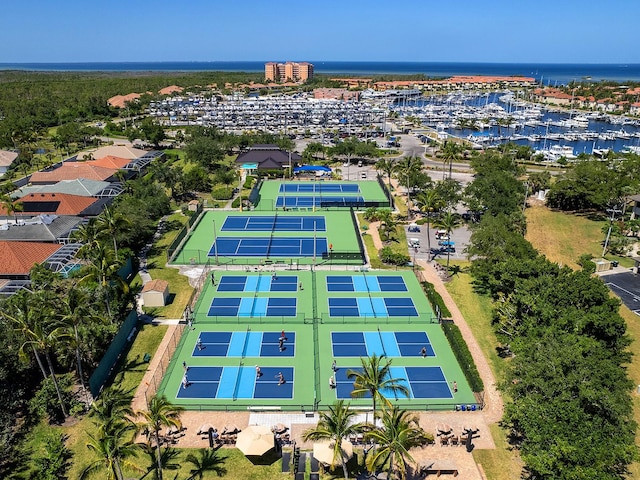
x=204, y=428
x=255, y=440
x=323, y=451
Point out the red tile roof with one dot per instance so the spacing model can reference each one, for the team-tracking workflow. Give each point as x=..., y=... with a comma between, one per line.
x=54, y=203
x=109, y=161
x=19, y=257
x=73, y=171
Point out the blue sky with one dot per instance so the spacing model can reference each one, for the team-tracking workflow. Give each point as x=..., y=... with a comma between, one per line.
x=544, y=31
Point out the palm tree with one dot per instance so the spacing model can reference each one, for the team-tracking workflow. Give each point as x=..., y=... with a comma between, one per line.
x=74, y=312
x=399, y=433
x=103, y=270
x=114, y=448
x=334, y=426
x=429, y=202
x=449, y=221
x=160, y=413
x=451, y=151
x=387, y=165
x=10, y=206
x=32, y=317
x=387, y=223
x=206, y=461
x=113, y=406
x=112, y=223
x=405, y=169
x=87, y=234
x=375, y=377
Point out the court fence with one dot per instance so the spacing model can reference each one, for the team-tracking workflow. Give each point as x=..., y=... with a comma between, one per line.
x=192, y=220
x=201, y=257
x=387, y=193
x=320, y=405
x=165, y=355
x=356, y=228
x=376, y=320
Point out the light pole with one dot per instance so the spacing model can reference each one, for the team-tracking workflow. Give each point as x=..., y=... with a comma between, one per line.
x=613, y=211
x=215, y=241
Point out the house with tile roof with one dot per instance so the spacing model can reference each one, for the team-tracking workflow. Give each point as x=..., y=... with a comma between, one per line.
x=268, y=157
x=110, y=161
x=6, y=159
x=55, y=203
x=78, y=186
x=72, y=171
x=18, y=258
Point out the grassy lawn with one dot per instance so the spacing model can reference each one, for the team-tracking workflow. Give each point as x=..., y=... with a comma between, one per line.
x=563, y=237
x=158, y=269
x=129, y=375
x=501, y=463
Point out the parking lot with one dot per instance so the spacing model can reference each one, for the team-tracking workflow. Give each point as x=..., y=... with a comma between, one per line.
x=627, y=286
x=459, y=240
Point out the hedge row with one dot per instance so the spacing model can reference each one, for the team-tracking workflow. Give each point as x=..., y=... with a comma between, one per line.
x=465, y=360
x=435, y=299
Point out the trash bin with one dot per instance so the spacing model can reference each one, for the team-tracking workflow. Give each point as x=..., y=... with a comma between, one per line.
x=614, y=264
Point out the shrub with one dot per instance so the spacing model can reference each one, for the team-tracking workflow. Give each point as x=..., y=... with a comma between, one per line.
x=222, y=193
x=465, y=360
x=387, y=255
x=46, y=403
x=236, y=203
x=248, y=183
x=435, y=299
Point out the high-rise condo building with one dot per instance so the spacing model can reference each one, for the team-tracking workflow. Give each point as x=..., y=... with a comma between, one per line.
x=289, y=71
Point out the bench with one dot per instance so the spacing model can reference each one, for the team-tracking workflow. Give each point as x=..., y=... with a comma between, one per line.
x=439, y=467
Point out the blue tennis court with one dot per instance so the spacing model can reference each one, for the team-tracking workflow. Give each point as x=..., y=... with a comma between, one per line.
x=244, y=344
x=317, y=201
x=391, y=344
x=258, y=283
x=372, y=307
x=269, y=247
x=237, y=383
x=319, y=188
x=422, y=382
x=253, y=307
x=274, y=223
x=368, y=283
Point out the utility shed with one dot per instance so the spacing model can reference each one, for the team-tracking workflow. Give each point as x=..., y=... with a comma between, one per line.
x=155, y=293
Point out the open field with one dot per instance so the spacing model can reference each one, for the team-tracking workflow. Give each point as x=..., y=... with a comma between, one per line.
x=563, y=237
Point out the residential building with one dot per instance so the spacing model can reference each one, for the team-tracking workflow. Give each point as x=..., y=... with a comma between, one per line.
x=268, y=157
x=282, y=72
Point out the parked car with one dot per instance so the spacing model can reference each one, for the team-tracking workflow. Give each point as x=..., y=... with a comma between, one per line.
x=446, y=243
x=441, y=234
x=413, y=227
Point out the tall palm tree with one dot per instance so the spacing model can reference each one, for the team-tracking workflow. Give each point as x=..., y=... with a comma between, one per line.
x=405, y=169
x=112, y=223
x=160, y=413
x=334, y=426
x=374, y=378
x=450, y=152
x=207, y=460
x=429, y=202
x=32, y=317
x=89, y=235
x=399, y=433
x=114, y=448
x=387, y=165
x=103, y=271
x=113, y=406
x=10, y=206
x=449, y=221
x=74, y=311
x=387, y=223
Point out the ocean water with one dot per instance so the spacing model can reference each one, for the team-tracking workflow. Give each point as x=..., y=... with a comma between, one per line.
x=547, y=73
